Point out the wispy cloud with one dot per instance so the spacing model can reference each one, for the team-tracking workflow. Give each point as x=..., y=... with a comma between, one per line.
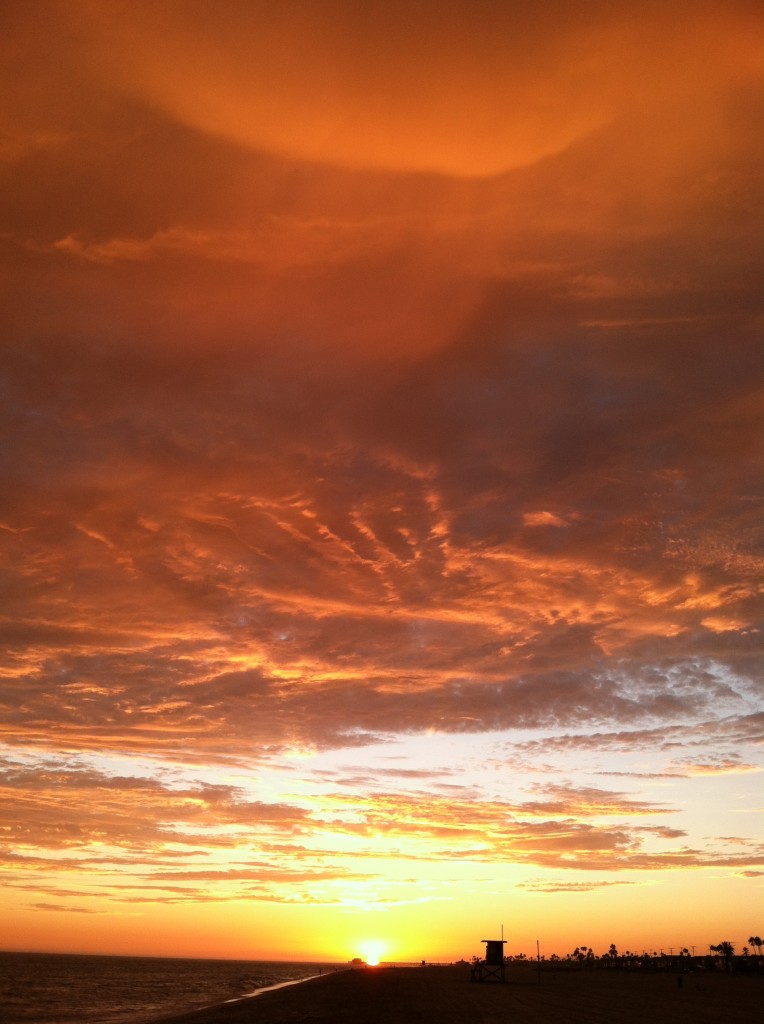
x=568, y=887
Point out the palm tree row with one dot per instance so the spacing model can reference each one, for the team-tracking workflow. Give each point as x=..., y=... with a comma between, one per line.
x=724, y=949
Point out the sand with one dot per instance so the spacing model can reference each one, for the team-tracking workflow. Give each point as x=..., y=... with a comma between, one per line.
x=445, y=995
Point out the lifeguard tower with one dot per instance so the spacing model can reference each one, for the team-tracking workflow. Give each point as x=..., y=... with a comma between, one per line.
x=491, y=967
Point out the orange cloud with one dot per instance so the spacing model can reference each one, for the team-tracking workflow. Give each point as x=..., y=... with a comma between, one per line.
x=381, y=405
x=421, y=89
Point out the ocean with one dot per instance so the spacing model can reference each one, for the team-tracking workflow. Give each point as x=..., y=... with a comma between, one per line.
x=62, y=988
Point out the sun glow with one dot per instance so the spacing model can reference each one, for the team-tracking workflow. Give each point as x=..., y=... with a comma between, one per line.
x=372, y=951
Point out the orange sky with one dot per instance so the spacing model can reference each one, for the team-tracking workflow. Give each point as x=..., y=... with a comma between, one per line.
x=382, y=476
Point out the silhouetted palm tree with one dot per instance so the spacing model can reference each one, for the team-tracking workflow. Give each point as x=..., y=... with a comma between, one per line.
x=725, y=949
x=755, y=940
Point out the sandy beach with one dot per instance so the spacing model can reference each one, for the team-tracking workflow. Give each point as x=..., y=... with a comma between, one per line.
x=413, y=995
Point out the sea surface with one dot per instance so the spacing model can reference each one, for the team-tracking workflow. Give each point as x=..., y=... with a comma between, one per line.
x=58, y=988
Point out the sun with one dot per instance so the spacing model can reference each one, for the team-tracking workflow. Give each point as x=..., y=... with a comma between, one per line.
x=372, y=950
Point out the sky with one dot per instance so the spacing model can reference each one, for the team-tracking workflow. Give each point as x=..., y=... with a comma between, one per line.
x=381, y=509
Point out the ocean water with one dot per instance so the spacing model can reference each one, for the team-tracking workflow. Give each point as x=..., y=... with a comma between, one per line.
x=57, y=988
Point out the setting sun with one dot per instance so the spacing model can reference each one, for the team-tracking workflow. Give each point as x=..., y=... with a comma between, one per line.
x=372, y=951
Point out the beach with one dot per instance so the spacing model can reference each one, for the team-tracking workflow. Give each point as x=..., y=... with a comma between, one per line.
x=414, y=995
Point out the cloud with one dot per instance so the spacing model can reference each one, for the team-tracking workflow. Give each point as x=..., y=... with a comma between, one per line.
x=727, y=766
x=542, y=519
x=42, y=809
x=61, y=907
x=730, y=731
x=428, y=90
x=570, y=801
x=551, y=887
x=114, y=821
x=396, y=381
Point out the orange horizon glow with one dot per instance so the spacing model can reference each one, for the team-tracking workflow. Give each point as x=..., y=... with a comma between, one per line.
x=380, y=537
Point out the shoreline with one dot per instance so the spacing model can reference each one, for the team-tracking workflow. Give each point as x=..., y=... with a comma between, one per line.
x=179, y=1015
x=279, y=984
x=408, y=995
